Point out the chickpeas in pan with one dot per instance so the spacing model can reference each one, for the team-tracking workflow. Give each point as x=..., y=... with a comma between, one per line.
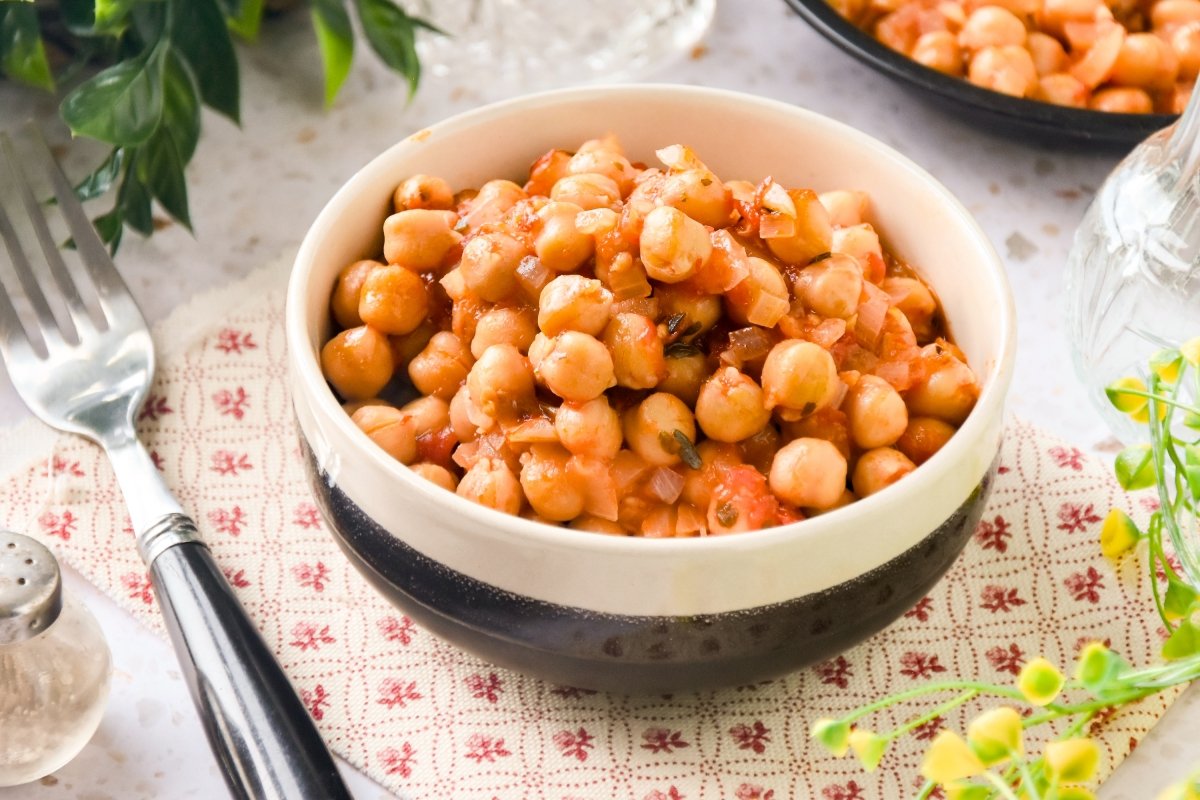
x=656, y=351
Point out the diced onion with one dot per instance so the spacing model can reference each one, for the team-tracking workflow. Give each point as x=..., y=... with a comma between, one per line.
x=679, y=157
x=871, y=315
x=596, y=220
x=776, y=226
x=748, y=344
x=665, y=485
x=532, y=275
x=538, y=429
x=828, y=332
x=766, y=309
x=627, y=278
x=659, y=523
x=453, y=283
x=645, y=306
x=690, y=521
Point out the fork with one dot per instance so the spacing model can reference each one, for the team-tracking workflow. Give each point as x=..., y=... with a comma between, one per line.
x=81, y=358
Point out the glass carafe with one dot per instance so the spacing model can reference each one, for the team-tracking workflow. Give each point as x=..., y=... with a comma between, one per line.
x=1133, y=275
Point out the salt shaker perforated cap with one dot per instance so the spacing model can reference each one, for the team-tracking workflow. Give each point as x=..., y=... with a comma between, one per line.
x=30, y=588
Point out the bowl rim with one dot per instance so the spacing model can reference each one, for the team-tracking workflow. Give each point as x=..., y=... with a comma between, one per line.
x=306, y=375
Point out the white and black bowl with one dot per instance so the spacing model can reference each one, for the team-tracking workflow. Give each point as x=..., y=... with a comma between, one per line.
x=630, y=614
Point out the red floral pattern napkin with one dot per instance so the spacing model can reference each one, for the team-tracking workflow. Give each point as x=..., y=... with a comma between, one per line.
x=429, y=721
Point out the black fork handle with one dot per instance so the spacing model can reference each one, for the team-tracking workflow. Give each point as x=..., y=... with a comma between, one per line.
x=261, y=733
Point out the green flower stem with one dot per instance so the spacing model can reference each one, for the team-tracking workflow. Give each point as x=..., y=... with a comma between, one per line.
x=926, y=790
x=937, y=711
x=934, y=688
x=1027, y=781
x=1161, y=399
x=1005, y=790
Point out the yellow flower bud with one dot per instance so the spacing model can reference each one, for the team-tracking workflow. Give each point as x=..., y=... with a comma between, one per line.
x=1118, y=534
x=1074, y=793
x=834, y=734
x=1122, y=400
x=950, y=759
x=1142, y=415
x=1190, y=350
x=1072, y=760
x=1184, y=790
x=1167, y=365
x=1040, y=681
x=996, y=735
x=868, y=746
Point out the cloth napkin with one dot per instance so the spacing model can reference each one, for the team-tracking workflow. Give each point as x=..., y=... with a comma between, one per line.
x=427, y=720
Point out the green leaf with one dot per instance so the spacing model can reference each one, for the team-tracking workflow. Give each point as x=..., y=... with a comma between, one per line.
x=102, y=178
x=181, y=107
x=1135, y=467
x=79, y=16
x=199, y=32
x=392, y=34
x=1179, y=599
x=22, y=54
x=111, y=16
x=335, y=39
x=109, y=226
x=161, y=171
x=246, y=19
x=1100, y=671
x=1192, y=420
x=134, y=199
x=121, y=105
x=1183, y=642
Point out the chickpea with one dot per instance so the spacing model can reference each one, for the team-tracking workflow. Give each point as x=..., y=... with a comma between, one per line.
x=876, y=412
x=391, y=429
x=761, y=298
x=559, y=244
x=1048, y=54
x=701, y=195
x=651, y=425
x=830, y=424
x=355, y=405
x=915, y=301
x=1062, y=89
x=573, y=302
x=576, y=367
x=742, y=191
x=730, y=406
x=419, y=238
x=1145, y=61
x=877, y=469
x=437, y=475
x=407, y=346
x=845, y=207
x=799, y=376
x=698, y=483
x=831, y=287
x=515, y=326
x=393, y=300
x=1122, y=100
x=442, y=367
x=494, y=200
x=809, y=473
x=949, y=392
x=861, y=242
x=590, y=522
x=938, y=50
x=500, y=381
x=463, y=413
x=539, y=348
x=588, y=191
x=591, y=429
x=1008, y=70
x=684, y=377
x=428, y=414
x=1097, y=63
x=608, y=163
x=489, y=265
x=491, y=483
x=546, y=171
x=760, y=449
x=637, y=351
x=552, y=488
x=673, y=245
x=923, y=437
x=357, y=362
x=1167, y=16
x=423, y=191
x=992, y=26
x=814, y=230
x=343, y=302
x=1056, y=13
x=899, y=29
x=697, y=308
x=1185, y=41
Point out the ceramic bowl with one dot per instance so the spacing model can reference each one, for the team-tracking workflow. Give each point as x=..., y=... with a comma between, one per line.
x=630, y=614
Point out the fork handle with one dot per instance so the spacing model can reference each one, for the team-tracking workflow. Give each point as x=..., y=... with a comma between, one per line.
x=265, y=742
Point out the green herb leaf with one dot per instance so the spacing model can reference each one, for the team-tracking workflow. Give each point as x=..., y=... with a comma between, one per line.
x=121, y=105
x=199, y=32
x=687, y=450
x=246, y=19
x=111, y=16
x=181, y=107
x=674, y=321
x=392, y=36
x=22, y=54
x=727, y=515
x=102, y=178
x=681, y=350
x=335, y=40
x=1135, y=467
x=133, y=198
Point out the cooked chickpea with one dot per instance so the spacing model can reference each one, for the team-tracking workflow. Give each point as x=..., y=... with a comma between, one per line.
x=515, y=326
x=576, y=367
x=877, y=469
x=846, y=207
x=1008, y=70
x=500, y=381
x=698, y=483
x=442, y=367
x=923, y=437
x=813, y=234
x=876, y=412
x=419, y=238
x=697, y=308
x=437, y=475
x=1145, y=61
x=1167, y=15
x=742, y=191
x=1122, y=100
x=588, y=191
x=701, y=195
x=915, y=301
x=573, y=302
x=539, y=348
x=1097, y=63
x=428, y=414
x=1062, y=89
x=673, y=245
x=491, y=483
x=391, y=429
x=608, y=163
x=1057, y=13
x=591, y=428
x=1185, y=41
x=393, y=300
x=358, y=362
x=424, y=191
x=463, y=413
x=637, y=351
x=343, y=303
x=861, y=242
x=761, y=298
x=939, y=50
x=546, y=171
x=799, y=376
x=832, y=286
x=489, y=265
x=992, y=26
x=559, y=244
x=651, y=425
x=730, y=406
x=552, y=488
x=491, y=203
x=594, y=524
x=1048, y=54
x=809, y=473
x=949, y=392
x=684, y=376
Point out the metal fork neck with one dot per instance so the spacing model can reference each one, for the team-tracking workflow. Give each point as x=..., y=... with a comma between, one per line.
x=157, y=518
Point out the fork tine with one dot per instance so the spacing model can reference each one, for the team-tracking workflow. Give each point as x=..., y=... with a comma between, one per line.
x=111, y=290
x=14, y=343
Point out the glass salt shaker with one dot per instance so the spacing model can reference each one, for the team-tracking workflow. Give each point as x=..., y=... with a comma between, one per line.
x=54, y=665
x=1133, y=275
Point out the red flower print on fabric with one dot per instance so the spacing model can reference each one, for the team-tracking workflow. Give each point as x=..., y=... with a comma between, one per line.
x=752, y=791
x=137, y=586
x=395, y=693
x=232, y=341
x=843, y=791
x=488, y=687
x=316, y=701
x=921, y=610
x=927, y=730
x=397, y=629
x=751, y=737
x=57, y=465
x=1076, y=517
x=228, y=521
x=307, y=516
x=232, y=404
x=997, y=599
x=994, y=534
x=1006, y=660
x=398, y=761
x=314, y=575
x=1067, y=458
x=60, y=526
x=236, y=579
x=154, y=408
x=836, y=672
x=482, y=748
x=571, y=692
x=671, y=794
x=575, y=744
x=1085, y=585
x=662, y=740
x=225, y=462
x=919, y=665
x=307, y=636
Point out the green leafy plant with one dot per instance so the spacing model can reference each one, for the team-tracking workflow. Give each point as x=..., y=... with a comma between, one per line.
x=155, y=62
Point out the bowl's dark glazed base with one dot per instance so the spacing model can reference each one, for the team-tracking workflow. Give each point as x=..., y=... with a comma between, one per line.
x=638, y=655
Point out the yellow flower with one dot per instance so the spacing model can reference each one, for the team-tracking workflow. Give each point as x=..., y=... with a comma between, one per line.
x=950, y=759
x=1191, y=351
x=1072, y=760
x=1184, y=790
x=1122, y=400
x=1040, y=681
x=1142, y=415
x=834, y=734
x=995, y=735
x=1074, y=793
x=1118, y=534
x=1167, y=365
x=868, y=746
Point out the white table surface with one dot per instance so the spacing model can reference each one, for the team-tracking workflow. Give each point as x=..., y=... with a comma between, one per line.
x=254, y=190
